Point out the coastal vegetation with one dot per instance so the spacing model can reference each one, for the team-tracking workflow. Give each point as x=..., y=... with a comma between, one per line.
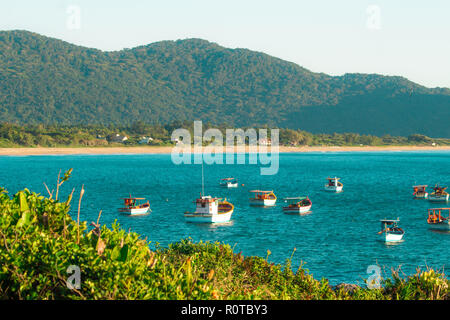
x=45, y=80
x=13, y=135
x=40, y=245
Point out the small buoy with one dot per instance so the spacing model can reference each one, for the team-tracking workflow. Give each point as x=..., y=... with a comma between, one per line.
x=242, y=184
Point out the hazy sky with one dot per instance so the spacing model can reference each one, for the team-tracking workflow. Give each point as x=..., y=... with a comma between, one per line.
x=410, y=38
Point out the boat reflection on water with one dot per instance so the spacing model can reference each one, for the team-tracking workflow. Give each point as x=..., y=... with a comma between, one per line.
x=306, y=213
x=214, y=226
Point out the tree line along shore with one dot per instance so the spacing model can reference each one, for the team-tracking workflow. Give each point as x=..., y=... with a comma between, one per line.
x=144, y=134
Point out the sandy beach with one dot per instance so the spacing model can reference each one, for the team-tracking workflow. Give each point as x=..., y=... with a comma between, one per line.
x=168, y=150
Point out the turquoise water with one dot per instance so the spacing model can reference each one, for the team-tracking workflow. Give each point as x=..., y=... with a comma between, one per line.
x=337, y=240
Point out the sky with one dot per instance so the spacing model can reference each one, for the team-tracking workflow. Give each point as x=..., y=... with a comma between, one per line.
x=390, y=37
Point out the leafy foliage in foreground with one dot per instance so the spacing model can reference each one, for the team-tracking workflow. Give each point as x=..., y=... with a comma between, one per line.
x=39, y=241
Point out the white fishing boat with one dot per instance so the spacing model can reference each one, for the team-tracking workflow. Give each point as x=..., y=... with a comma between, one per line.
x=439, y=194
x=390, y=231
x=134, y=207
x=436, y=219
x=420, y=192
x=297, y=205
x=229, y=183
x=263, y=198
x=334, y=185
x=210, y=210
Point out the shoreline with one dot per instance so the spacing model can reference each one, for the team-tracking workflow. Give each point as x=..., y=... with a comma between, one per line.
x=167, y=150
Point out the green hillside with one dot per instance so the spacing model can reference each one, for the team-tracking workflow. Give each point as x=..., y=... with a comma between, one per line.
x=45, y=80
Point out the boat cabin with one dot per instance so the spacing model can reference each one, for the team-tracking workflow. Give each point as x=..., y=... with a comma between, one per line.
x=263, y=195
x=228, y=182
x=436, y=215
x=439, y=190
x=132, y=202
x=334, y=181
x=420, y=189
x=390, y=226
x=297, y=201
x=207, y=204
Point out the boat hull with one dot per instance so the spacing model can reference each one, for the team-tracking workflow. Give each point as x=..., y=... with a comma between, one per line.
x=297, y=209
x=334, y=188
x=393, y=237
x=208, y=218
x=434, y=198
x=444, y=225
x=263, y=202
x=421, y=196
x=135, y=211
x=230, y=185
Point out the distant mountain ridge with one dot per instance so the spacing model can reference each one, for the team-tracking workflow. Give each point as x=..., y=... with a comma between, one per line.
x=46, y=80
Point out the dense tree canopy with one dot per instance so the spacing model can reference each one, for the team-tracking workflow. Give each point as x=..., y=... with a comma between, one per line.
x=45, y=80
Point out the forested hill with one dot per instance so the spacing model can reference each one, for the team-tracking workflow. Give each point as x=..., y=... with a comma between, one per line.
x=45, y=80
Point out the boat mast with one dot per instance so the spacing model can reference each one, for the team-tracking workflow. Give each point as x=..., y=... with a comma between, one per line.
x=203, y=180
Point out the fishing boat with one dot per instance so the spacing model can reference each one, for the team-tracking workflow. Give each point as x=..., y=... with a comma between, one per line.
x=439, y=194
x=134, y=207
x=297, y=205
x=210, y=210
x=436, y=218
x=229, y=183
x=390, y=231
x=263, y=198
x=420, y=192
x=334, y=185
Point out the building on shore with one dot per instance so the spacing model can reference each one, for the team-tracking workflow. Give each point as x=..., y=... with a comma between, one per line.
x=119, y=138
x=264, y=142
x=145, y=140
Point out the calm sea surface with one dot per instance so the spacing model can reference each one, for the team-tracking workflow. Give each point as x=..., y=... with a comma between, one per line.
x=337, y=240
